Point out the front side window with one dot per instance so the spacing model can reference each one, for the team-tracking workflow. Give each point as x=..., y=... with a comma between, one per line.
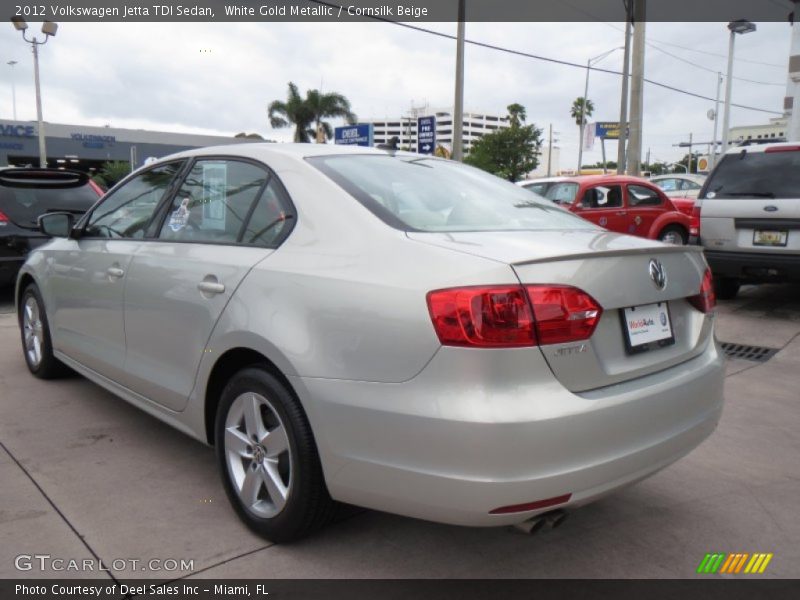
x=638, y=195
x=428, y=194
x=127, y=211
x=214, y=202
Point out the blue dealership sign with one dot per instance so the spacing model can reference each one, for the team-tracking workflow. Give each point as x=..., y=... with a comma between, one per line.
x=606, y=130
x=354, y=135
x=426, y=135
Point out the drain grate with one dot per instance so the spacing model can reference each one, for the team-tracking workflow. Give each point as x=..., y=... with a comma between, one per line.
x=754, y=353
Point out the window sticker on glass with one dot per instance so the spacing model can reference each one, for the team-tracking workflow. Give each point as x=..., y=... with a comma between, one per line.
x=214, y=186
x=180, y=216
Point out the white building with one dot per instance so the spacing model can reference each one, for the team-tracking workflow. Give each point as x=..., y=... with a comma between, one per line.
x=775, y=130
x=476, y=125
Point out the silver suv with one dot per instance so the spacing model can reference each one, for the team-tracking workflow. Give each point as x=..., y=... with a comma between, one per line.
x=750, y=216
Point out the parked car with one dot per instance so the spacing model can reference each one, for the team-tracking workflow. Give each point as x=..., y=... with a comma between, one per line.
x=25, y=194
x=750, y=216
x=499, y=359
x=687, y=207
x=677, y=185
x=540, y=185
x=624, y=204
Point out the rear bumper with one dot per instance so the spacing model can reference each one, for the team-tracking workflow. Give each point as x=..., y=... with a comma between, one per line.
x=465, y=437
x=754, y=266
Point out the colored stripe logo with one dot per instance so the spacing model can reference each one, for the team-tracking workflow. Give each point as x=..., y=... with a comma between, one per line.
x=735, y=563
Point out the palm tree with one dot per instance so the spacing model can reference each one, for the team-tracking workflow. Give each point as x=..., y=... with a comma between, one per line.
x=516, y=114
x=295, y=111
x=324, y=106
x=575, y=111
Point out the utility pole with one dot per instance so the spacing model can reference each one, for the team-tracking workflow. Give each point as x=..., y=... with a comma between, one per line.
x=792, y=102
x=550, y=152
x=713, y=152
x=458, y=110
x=11, y=64
x=623, y=102
x=634, y=152
x=689, y=170
x=647, y=161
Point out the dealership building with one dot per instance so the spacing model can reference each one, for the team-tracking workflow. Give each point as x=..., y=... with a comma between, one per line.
x=87, y=148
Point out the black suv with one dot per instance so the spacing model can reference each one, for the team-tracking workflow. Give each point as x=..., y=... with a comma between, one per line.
x=25, y=194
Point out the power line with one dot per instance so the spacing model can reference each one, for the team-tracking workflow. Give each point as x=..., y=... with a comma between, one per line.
x=548, y=59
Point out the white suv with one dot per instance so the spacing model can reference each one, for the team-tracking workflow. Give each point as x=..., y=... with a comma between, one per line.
x=750, y=216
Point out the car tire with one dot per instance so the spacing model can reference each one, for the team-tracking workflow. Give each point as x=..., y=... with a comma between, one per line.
x=37, y=346
x=268, y=458
x=674, y=234
x=726, y=288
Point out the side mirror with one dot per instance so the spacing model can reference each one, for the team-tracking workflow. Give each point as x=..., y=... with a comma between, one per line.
x=56, y=224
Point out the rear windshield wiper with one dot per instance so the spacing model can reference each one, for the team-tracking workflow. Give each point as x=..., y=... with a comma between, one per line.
x=753, y=194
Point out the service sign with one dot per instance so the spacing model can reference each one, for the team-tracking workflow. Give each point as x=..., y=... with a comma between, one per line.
x=354, y=135
x=607, y=130
x=426, y=135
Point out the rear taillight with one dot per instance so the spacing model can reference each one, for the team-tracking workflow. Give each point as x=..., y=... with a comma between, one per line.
x=706, y=300
x=563, y=313
x=694, y=227
x=512, y=316
x=3, y=217
x=485, y=317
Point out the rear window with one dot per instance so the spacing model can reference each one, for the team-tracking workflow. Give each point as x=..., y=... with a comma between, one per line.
x=24, y=202
x=756, y=175
x=412, y=193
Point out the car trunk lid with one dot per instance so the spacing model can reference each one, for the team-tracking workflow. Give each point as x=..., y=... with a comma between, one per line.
x=615, y=270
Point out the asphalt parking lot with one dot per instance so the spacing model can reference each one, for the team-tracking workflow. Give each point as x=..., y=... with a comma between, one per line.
x=86, y=475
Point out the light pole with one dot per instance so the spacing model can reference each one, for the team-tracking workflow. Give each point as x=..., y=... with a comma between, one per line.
x=713, y=153
x=49, y=28
x=741, y=26
x=589, y=62
x=458, y=108
x=11, y=64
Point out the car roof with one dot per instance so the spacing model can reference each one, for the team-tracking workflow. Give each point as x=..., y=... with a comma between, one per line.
x=610, y=178
x=541, y=180
x=689, y=176
x=763, y=147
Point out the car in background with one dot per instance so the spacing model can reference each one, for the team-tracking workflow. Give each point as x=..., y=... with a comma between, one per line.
x=750, y=216
x=390, y=330
x=27, y=193
x=677, y=185
x=623, y=204
x=539, y=185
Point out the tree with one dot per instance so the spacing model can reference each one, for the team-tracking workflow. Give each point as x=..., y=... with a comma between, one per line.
x=325, y=106
x=575, y=110
x=294, y=111
x=308, y=114
x=510, y=152
x=111, y=173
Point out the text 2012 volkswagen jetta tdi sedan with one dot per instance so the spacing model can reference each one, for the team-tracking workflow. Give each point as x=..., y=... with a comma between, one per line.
x=394, y=331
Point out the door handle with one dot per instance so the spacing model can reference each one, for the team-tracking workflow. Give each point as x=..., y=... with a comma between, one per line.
x=621, y=213
x=115, y=272
x=211, y=287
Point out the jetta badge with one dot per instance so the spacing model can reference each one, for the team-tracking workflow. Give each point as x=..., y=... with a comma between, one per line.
x=658, y=274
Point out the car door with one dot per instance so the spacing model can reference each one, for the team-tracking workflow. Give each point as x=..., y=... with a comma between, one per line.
x=644, y=205
x=88, y=274
x=603, y=204
x=226, y=216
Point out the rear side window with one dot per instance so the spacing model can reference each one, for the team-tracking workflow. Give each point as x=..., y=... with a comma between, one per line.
x=756, y=175
x=638, y=195
x=214, y=202
x=270, y=218
x=24, y=203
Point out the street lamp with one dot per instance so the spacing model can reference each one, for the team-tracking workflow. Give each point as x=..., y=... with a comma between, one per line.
x=589, y=62
x=49, y=28
x=741, y=26
x=11, y=64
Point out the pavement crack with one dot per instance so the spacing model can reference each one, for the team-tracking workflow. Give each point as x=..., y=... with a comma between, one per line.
x=64, y=518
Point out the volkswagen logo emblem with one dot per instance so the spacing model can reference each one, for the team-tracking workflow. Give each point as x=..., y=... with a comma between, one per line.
x=658, y=274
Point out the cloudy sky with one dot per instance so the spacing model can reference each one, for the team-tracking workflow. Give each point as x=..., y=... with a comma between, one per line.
x=219, y=77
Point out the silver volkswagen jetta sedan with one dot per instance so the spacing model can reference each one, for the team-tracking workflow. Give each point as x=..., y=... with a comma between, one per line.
x=394, y=331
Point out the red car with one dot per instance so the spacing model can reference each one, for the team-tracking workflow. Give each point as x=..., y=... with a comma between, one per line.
x=625, y=204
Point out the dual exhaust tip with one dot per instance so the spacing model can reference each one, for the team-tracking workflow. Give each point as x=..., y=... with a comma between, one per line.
x=551, y=519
